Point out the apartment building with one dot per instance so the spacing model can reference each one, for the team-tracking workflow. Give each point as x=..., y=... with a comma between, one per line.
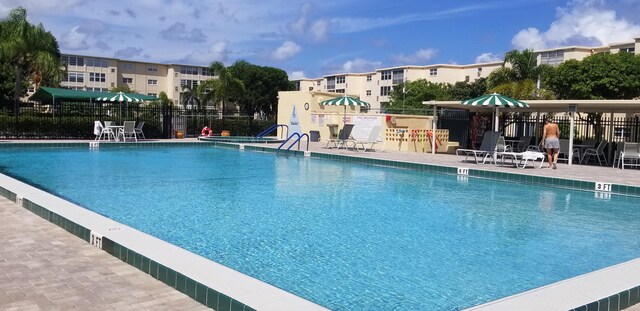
x=91, y=73
x=375, y=87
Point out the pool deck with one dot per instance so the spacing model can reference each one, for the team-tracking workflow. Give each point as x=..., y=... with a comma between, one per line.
x=61, y=273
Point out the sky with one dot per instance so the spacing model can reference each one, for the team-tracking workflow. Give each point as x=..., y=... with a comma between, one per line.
x=310, y=39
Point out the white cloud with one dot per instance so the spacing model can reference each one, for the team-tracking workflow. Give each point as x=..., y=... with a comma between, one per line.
x=295, y=75
x=218, y=51
x=360, y=65
x=487, y=58
x=178, y=32
x=128, y=53
x=583, y=22
x=420, y=56
x=298, y=26
x=287, y=50
x=319, y=30
x=74, y=39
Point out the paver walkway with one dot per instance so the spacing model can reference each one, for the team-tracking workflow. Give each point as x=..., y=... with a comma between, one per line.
x=43, y=267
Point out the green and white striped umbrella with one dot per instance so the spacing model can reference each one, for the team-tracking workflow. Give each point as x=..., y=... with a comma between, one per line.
x=345, y=101
x=495, y=100
x=125, y=97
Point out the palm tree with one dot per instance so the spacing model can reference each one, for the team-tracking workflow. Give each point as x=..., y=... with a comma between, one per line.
x=226, y=87
x=31, y=49
x=523, y=64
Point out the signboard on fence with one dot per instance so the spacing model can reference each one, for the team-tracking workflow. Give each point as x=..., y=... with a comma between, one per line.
x=363, y=126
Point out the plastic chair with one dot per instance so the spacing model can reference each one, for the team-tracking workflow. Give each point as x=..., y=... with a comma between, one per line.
x=128, y=130
x=138, y=129
x=597, y=153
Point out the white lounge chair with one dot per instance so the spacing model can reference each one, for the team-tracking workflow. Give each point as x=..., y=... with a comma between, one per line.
x=371, y=141
x=520, y=159
x=486, y=150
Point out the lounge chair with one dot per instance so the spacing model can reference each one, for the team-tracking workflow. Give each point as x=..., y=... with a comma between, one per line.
x=138, y=129
x=563, y=153
x=523, y=143
x=595, y=152
x=371, y=141
x=486, y=150
x=520, y=159
x=345, y=135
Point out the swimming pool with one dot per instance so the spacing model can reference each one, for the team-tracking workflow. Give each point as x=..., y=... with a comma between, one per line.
x=345, y=236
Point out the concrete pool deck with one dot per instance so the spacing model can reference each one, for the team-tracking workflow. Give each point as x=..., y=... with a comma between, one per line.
x=19, y=243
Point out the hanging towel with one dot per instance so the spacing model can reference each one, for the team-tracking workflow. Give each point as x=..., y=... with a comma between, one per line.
x=97, y=128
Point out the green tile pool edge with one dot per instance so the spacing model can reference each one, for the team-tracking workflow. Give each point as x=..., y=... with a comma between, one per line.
x=197, y=291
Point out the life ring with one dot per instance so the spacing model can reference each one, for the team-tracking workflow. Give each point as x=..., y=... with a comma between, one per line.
x=306, y=106
x=206, y=131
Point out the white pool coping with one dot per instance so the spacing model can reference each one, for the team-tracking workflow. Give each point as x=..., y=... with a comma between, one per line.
x=571, y=293
x=239, y=286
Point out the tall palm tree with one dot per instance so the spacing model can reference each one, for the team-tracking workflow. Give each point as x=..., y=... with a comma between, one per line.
x=32, y=50
x=226, y=87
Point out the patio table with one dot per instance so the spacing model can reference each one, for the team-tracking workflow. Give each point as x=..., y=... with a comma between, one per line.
x=116, y=130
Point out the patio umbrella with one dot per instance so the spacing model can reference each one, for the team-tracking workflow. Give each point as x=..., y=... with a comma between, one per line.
x=345, y=101
x=125, y=97
x=495, y=101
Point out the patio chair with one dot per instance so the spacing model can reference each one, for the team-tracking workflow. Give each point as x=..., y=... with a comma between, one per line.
x=371, y=141
x=128, y=131
x=138, y=129
x=105, y=132
x=595, y=152
x=617, y=154
x=563, y=153
x=486, y=150
x=343, y=136
x=523, y=143
x=502, y=146
x=630, y=155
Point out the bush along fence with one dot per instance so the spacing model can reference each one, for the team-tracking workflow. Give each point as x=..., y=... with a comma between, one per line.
x=27, y=120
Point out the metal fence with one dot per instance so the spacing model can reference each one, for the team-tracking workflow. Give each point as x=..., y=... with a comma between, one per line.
x=75, y=120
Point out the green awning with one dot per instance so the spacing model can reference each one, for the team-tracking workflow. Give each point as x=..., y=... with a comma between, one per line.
x=50, y=93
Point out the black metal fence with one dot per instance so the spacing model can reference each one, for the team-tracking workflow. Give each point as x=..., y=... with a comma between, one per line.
x=75, y=120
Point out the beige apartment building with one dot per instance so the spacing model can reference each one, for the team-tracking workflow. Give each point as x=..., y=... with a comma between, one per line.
x=374, y=87
x=91, y=73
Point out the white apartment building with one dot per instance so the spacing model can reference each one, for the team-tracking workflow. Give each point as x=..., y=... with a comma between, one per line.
x=374, y=87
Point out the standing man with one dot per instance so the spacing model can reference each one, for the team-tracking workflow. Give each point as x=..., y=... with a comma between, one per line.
x=551, y=142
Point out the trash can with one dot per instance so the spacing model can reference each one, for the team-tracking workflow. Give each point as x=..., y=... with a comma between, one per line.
x=314, y=136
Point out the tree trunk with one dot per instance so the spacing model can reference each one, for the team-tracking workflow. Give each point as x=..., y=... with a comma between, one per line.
x=17, y=91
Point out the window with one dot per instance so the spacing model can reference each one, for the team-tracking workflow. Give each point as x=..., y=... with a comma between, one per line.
x=385, y=75
x=188, y=70
x=552, y=58
x=128, y=66
x=433, y=72
x=318, y=82
x=369, y=78
x=466, y=78
x=190, y=83
x=331, y=83
x=385, y=90
x=340, y=79
x=97, y=62
x=97, y=77
x=152, y=94
x=398, y=76
x=340, y=91
x=127, y=80
x=31, y=89
x=207, y=72
x=628, y=50
x=368, y=92
x=75, y=77
x=479, y=71
x=98, y=89
x=152, y=82
x=152, y=69
x=113, y=70
x=73, y=60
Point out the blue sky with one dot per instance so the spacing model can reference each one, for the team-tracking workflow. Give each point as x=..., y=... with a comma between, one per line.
x=311, y=39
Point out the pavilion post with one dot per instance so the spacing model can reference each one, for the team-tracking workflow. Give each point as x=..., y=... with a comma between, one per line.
x=572, y=112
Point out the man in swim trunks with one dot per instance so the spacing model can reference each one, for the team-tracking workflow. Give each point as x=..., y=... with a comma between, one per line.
x=551, y=142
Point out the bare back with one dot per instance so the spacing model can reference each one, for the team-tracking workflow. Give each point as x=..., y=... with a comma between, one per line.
x=551, y=130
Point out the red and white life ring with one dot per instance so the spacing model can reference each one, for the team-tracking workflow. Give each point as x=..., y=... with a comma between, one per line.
x=206, y=131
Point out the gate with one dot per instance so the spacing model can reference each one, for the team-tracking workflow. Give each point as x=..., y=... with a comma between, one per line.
x=457, y=122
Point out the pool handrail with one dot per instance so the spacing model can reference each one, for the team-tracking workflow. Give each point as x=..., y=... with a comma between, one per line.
x=299, y=137
x=271, y=128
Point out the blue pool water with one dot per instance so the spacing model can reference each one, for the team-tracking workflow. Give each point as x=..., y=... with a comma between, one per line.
x=349, y=237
